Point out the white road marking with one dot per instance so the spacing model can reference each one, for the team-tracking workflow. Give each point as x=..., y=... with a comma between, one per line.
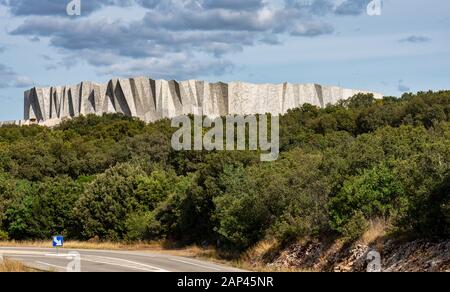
x=19, y=252
x=93, y=259
x=25, y=256
x=61, y=255
x=107, y=260
x=194, y=264
x=121, y=263
x=50, y=265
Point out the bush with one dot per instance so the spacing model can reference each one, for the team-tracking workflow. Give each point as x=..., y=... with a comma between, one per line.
x=108, y=200
x=426, y=177
x=3, y=235
x=142, y=226
x=375, y=193
x=355, y=227
x=340, y=166
x=242, y=215
x=44, y=209
x=125, y=203
x=286, y=200
x=429, y=214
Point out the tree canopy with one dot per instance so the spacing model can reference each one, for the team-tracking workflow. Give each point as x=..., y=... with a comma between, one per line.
x=117, y=178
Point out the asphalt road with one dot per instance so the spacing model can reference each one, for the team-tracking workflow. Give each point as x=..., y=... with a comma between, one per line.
x=108, y=261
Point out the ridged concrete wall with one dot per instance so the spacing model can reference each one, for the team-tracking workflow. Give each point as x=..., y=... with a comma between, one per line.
x=152, y=100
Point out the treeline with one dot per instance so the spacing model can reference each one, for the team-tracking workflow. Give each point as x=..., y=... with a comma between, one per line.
x=116, y=178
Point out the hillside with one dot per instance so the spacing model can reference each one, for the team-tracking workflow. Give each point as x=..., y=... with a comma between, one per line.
x=343, y=169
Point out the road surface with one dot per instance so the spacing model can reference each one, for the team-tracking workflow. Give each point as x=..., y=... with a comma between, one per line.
x=108, y=261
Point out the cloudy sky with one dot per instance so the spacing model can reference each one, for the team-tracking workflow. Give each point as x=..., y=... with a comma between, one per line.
x=335, y=42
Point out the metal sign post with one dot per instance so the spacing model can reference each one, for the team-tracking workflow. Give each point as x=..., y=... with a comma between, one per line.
x=58, y=241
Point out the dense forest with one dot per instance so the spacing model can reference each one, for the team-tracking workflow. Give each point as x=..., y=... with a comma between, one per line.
x=117, y=178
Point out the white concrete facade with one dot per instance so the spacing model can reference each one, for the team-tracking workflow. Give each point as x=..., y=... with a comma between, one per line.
x=152, y=100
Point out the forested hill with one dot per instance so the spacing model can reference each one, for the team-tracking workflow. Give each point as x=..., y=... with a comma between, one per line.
x=340, y=168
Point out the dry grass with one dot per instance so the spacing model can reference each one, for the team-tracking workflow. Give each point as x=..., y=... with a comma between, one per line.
x=209, y=253
x=86, y=245
x=257, y=257
x=11, y=266
x=261, y=249
x=193, y=251
x=377, y=229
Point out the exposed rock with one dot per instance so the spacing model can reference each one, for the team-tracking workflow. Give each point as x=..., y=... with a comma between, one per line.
x=417, y=256
x=355, y=260
x=414, y=256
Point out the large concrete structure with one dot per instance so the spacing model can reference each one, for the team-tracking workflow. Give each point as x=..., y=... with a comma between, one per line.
x=151, y=100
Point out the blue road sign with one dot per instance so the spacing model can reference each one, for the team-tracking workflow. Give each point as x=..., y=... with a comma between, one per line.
x=58, y=241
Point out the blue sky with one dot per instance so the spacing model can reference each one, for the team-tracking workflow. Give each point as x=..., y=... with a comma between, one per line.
x=335, y=42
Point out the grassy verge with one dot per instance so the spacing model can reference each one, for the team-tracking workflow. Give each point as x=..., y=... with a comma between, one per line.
x=87, y=245
x=10, y=266
x=258, y=258
x=246, y=261
x=194, y=251
x=161, y=247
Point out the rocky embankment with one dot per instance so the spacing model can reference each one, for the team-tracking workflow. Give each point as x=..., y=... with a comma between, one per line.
x=413, y=256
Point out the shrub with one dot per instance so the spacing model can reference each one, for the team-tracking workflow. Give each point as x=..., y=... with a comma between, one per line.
x=375, y=193
x=340, y=166
x=108, y=200
x=355, y=227
x=44, y=209
x=3, y=235
x=286, y=200
x=429, y=214
x=142, y=226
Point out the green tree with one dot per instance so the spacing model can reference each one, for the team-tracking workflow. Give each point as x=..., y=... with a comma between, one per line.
x=376, y=193
x=108, y=201
x=44, y=209
x=286, y=200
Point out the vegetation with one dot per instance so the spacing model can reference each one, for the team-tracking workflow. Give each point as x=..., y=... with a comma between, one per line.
x=342, y=167
x=10, y=266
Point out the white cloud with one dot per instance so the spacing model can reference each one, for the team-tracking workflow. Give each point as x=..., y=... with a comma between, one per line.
x=9, y=78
